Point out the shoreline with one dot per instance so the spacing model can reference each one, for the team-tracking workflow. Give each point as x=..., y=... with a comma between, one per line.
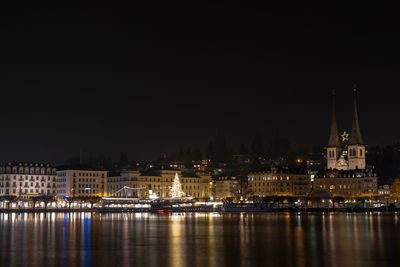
x=281, y=210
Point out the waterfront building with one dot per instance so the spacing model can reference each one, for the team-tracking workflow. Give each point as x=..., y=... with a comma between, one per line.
x=225, y=186
x=348, y=184
x=279, y=182
x=347, y=174
x=153, y=183
x=395, y=189
x=384, y=190
x=123, y=184
x=21, y=178
x=81, y=181
x=350, y=153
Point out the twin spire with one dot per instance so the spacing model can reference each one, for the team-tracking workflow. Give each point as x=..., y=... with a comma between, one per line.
x=356, y=138
x=334, y=137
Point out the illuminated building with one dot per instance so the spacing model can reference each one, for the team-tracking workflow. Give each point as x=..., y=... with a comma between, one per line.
x=19, y=178
x=279, y=182
x=384, y=190
x=159, y=183
x=346, y=174
x=350, y=154
x=81, y=181
x=225, y=186
x=351, y=183
x=116, y=182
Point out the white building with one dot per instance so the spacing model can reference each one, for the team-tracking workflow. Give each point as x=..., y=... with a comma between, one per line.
x=225, y=186
x=81, y=181
x=347, y=174
x=350, y=155
x=18, y=178
x=116, y=182
x=279, y=182
x=159, y=183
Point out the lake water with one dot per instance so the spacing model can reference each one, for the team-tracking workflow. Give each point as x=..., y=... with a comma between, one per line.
x=199, y=239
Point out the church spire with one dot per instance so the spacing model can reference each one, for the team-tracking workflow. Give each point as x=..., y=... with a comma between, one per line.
x=356, y=138
x=334, y=137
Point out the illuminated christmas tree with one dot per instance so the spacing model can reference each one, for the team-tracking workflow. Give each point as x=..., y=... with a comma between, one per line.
x=176, y=190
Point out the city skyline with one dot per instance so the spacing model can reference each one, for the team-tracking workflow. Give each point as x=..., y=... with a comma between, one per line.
x=229, y=133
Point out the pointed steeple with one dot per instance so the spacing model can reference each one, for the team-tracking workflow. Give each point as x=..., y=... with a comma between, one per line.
x=356, y=138
x=334, y=137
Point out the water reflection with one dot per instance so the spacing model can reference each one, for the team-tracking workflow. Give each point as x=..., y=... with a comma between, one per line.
x=201, y=239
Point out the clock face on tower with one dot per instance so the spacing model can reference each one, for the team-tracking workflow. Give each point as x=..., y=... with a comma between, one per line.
x=345, y=136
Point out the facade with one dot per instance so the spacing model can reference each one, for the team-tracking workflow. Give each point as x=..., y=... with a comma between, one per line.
x=384, y=190
x=350, y=153
x=158, y=183
x=348, y=184
x=81, y=181
x=19, y=178
x=347, y=174
x=123, y=184
x=225, y=186
x=395, y=189
x=279, y=182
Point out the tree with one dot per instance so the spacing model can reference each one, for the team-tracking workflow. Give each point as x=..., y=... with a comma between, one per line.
x=257, y=146
x=176, y=190
x=88, y=199
x=8, y=199
x=386, y=160
x=70, y=200
x=43, y=198
x=291, y=200
x=395, y=190
x=243, y=150
x=280, y=150
x=337, y=200
x=196, y=154
x=92, y=200
x=217, y=150
x=241, y=190
x=34, y=200
x=210, y=150
x=123, y=160
x=269, y=200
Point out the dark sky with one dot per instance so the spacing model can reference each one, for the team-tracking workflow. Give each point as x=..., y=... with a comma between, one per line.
x=148, y=80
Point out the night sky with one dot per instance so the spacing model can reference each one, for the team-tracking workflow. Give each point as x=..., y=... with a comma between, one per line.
x=148, y=80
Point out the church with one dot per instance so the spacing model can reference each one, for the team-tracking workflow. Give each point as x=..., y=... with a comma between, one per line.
x=347, y=174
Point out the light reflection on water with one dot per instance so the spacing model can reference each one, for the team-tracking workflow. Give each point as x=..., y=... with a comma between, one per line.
x=199, y=239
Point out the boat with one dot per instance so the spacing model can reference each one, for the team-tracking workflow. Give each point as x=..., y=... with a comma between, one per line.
x=244, y=207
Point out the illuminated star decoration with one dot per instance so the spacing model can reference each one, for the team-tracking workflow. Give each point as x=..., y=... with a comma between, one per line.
x=345, y=136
